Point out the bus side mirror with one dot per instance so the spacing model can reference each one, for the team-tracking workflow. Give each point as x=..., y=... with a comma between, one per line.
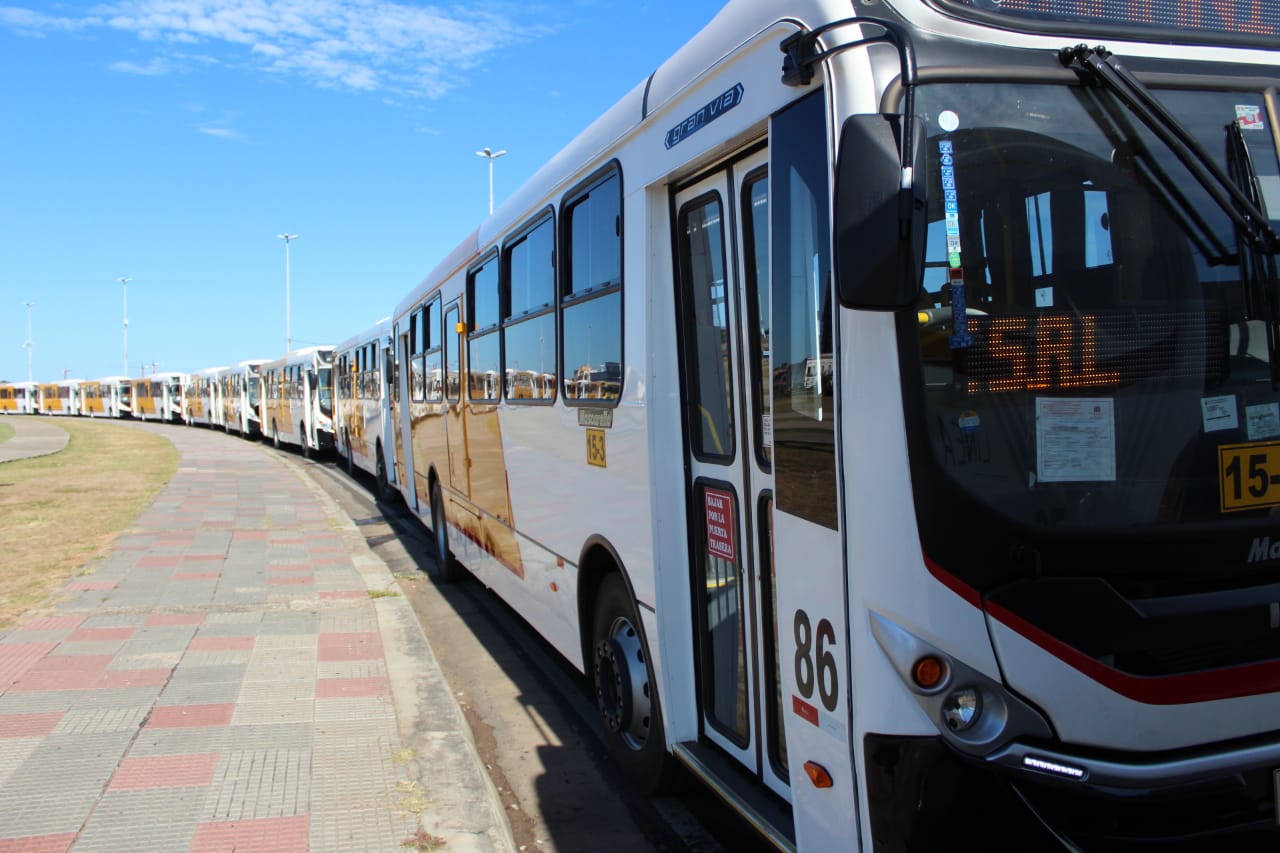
x=879, y=214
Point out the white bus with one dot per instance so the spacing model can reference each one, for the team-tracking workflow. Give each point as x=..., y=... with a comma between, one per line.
x=364, y=433
x=240, y=388
x=18, y=398
x=203, y=393
x=912, y=471
x=297, y=399
x=159, y=397
x=108, y=397
x=58, y=398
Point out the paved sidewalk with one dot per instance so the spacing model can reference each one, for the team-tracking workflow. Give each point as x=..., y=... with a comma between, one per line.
x=232, y=677
x=32, y=436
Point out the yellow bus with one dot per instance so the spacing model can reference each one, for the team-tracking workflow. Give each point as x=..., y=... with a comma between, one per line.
x=297, y=399
x=17, y=398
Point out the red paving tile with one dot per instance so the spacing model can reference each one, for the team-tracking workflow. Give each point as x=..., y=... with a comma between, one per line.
x=17, y=658
x=264, y=835
x=52, y=623
x=290, y=567
x=87, y=586
x=365, y=645
x=163, y=619
x=190, y=716
x=288, y=580
x=220, y=644
x=59, y=843
x=164, y=771
x=347, y=688
x=29, y=725
x=91, y=634
x=196, y=576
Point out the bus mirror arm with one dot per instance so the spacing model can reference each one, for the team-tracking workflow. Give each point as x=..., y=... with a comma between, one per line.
x=880, y=213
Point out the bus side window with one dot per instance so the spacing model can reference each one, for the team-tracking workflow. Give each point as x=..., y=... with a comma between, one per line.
x=591, y=291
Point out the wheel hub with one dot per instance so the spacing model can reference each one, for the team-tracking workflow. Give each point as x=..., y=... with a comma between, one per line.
x=622, y=685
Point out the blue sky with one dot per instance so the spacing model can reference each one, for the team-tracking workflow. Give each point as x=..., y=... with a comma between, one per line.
x=170, y=141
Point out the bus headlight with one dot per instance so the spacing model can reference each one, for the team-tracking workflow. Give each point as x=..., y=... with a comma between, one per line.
x=961, y=708
x=971, y=710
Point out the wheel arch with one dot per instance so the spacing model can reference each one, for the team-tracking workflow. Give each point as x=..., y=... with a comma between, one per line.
x=598, y=560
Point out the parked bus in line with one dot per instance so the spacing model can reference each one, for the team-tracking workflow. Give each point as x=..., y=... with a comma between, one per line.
x=17, y=398
x=59, y=398
x=108, y=397
x=364, y=432
x=240, y=389
x=203, y=399
x=159, y=397
x=912, y=468
x=297, y=399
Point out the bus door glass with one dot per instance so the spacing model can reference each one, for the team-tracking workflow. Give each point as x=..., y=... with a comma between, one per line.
x=400, y=411
x=722, y=276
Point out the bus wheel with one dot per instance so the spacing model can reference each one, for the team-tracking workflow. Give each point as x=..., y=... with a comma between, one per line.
x=275, y=436
x=625, y=692
x=302, y=441
x=450, y=571
x=348, y=456
x=385, y=492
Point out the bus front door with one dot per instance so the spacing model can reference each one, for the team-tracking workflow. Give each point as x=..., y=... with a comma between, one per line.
x=722, y=276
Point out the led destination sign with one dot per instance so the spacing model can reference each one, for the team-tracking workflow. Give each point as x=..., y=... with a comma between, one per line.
x=1233, y=17
x=1068, y=351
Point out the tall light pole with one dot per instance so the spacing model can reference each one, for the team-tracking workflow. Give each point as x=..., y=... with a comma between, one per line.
x=30, y=344
x=288, y=333
x=491, y=156
x=124, y=288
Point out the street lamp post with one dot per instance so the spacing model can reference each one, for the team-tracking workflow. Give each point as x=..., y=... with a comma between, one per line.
x=124, y=288
x=288, y=333
x=30, y=344
x=491, y=156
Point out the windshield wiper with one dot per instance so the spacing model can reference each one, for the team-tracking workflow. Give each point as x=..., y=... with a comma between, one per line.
x=1257, y=268
x=1251, y=223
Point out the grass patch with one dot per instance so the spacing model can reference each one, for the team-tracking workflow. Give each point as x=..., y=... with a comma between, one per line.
x=383, y=593
x=6, y=432
x=59, y=512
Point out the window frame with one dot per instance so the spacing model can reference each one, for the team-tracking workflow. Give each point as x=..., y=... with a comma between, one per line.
x=507, y=320
x=474, y=334
x=567, y=299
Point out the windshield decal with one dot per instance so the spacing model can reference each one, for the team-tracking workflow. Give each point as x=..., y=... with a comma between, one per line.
x=1219, y=413
x=955, y=270
x=1249, y=117
x=1075, y=440
x=1262, y=421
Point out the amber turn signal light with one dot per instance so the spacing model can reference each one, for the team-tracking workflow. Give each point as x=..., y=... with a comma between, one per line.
x=928, y=672
x=818, y=775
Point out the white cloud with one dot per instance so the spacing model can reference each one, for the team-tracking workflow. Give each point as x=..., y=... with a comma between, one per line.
x=360, y=45
x=223, y=133
x=154, y=68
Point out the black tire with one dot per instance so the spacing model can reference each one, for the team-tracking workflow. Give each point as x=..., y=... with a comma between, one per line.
x=275, y=435
x=349, y=457
x=302, y=442
x=450, y=570
x=626, y=694
x=385, y=490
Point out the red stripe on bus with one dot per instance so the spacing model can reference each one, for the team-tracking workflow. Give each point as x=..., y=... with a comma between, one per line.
x=1233, y=682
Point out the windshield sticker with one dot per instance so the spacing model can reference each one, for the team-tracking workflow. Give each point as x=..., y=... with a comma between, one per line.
x=960, y=339
x=1262, y=420
x=1044, y=297
x=948, y=121
x=1219, y=413
x=1249, y=117
x=969, y=421
x=1075, y=440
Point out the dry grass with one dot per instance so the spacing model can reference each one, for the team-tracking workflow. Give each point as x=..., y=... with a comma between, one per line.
x=58, y=512
x=6, y=432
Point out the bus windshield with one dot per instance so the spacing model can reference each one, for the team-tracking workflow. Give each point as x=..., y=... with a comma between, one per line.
x=1091, y=355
